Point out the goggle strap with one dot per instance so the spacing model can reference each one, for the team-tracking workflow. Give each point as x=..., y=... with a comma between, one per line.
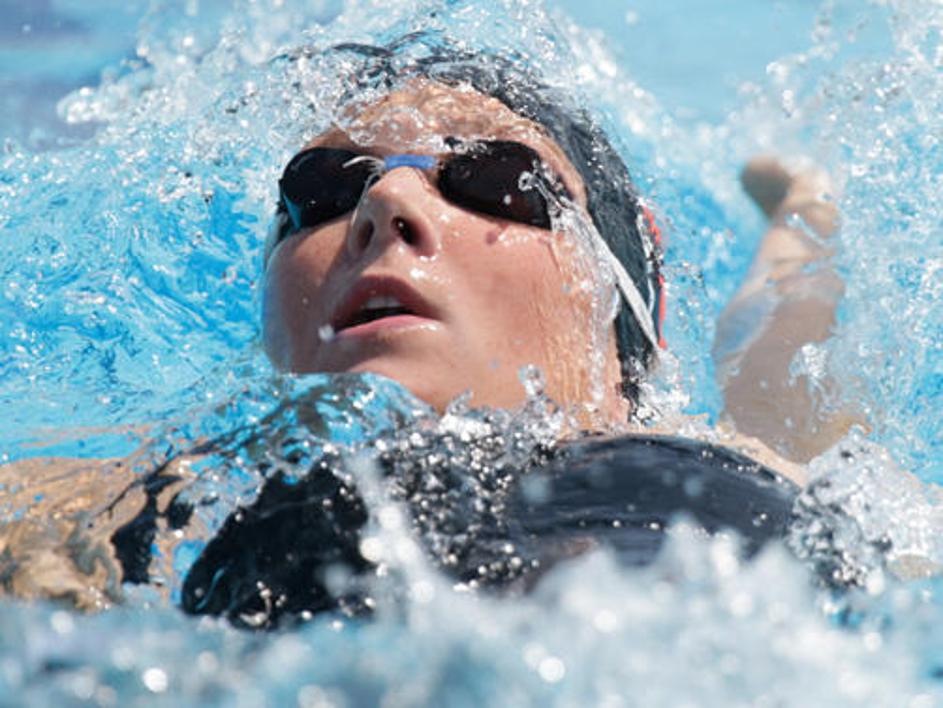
x=632, y=296
x=375, y=161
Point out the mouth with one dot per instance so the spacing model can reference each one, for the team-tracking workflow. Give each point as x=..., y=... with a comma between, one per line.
x=375, y=304
x=376, y=308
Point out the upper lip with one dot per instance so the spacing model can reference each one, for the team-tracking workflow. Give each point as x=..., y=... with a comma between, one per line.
x=369, y=287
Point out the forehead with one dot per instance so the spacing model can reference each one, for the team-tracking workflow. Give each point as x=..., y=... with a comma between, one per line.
x=418, y=118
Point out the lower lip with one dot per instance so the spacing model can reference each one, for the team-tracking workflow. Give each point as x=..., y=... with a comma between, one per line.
x=384, y=325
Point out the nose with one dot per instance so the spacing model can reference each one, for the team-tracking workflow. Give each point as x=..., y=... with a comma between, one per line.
x=396, y=210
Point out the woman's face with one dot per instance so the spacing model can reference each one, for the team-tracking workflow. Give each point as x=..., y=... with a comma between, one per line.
x=471, y=298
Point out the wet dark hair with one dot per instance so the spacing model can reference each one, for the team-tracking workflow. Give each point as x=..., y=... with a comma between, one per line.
x=613, y=200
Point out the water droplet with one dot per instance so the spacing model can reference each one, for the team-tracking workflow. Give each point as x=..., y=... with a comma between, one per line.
x=62, y=622
x=693, y=487
x=155, y=679
x=532, y=379
x=551, y=669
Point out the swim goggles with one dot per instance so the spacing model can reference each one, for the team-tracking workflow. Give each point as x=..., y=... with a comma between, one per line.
x=321, y=183
x=498, y=178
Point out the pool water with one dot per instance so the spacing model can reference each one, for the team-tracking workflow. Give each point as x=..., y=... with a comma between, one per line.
x=141, y=146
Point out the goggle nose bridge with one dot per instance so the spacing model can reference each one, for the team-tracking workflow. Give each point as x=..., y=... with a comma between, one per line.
x=382, y=165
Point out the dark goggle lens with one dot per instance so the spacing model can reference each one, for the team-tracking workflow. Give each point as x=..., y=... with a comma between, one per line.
x=489, y=181
x=317, y=187
x=321, y=184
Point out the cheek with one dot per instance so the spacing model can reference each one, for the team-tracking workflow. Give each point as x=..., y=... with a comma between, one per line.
x=529, y=287
x=292, y=291
x=279, y=314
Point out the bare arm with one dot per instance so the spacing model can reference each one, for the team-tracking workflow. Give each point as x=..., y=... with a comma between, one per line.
x=46, y=547
x=787, y=301
x=57, y=520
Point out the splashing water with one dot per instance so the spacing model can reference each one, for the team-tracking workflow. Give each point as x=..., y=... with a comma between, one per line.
x=132, y=257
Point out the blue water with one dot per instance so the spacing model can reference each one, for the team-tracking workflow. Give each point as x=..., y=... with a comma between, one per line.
x=132, y=213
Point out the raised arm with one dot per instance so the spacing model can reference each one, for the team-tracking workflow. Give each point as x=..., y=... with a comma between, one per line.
x=787, y=301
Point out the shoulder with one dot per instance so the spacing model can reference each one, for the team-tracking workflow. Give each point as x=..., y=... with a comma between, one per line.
x=725, y=436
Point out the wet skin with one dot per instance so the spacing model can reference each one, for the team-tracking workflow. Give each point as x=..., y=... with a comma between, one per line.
x=476, y=297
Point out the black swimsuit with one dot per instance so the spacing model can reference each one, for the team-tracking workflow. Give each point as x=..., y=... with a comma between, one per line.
x=623, y=492
x=273, y=558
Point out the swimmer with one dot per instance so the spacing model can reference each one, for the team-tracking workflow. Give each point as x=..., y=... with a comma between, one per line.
x=430, y=263
x=466, y=225
x=442, y=236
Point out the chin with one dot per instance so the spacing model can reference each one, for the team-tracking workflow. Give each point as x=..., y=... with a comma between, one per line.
x=415, y=378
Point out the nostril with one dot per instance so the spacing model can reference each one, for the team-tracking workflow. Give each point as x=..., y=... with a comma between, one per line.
x=405, y=231
x=363, y=236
